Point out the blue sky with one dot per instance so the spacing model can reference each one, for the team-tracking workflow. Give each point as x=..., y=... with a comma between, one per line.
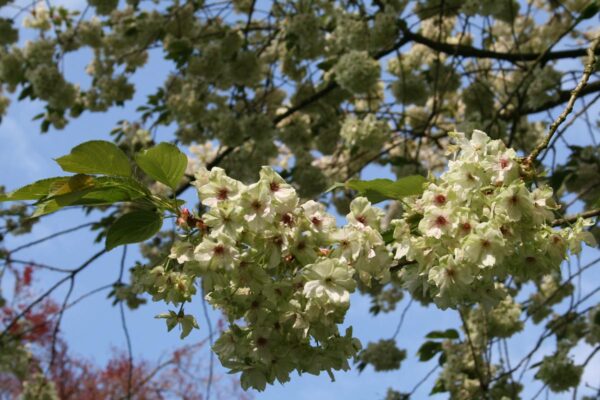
x=93, y=328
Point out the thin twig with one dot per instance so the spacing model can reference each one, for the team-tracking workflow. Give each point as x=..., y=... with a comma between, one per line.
x=126, y=330
x=587, y=72
x=59, y=320
x=50, y=290
x=210, y=340
x=423, y=380
x=402, y=316
x=52, y=236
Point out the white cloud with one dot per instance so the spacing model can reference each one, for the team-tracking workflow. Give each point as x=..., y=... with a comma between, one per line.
x=18, y=157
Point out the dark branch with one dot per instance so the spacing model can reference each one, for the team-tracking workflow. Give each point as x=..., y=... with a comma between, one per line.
x=574, y=218
x=563, y=97
x=469, y=51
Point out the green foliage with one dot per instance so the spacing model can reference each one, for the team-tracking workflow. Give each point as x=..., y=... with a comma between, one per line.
x=447, y=334
x=378, y=190
x=36, y=190
x=590, y=10
x=111, y=184
x=96, y=157
x=319, y=91
x=428, y=350
x=163, y=162
x=133, y=227
x=185, y=321
x=90, y=190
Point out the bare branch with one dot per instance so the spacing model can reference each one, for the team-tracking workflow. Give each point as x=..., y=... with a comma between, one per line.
x=469, y=51
x=573, y=218
x=587, y=72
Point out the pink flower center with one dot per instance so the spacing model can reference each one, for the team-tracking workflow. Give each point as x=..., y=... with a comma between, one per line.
x=441, y=220
x=287, y=219
x=256, y=205
x=440, y=199
x=219, y=250
x=223, y=194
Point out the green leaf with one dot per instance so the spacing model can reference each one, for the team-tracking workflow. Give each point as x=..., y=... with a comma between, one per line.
x=63, y=193
x=447, y=334
x=164, y=162
x=590, y=10
x=428, y=350
x=442, y=359
x=388, y=236
x=439, y=387
x=133, y=227
x=36, y=190
x=378, y=190
x=45, y=207
x=187, y=324
x=89, y=190
x=327, y=64
x=96, y=157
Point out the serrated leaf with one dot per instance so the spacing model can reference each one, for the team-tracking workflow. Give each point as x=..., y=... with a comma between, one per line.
x=36, y=190
x=428, y=350
x=45, y=207
x=88, y=190
x=377, y=190
x=164, y=163
x=96, y=157
x=447, y=334
x=76, y=183
x=590, y=10
x=438, y=387
x=133, y=227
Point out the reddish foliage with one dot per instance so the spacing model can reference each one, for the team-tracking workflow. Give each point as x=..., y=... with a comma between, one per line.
x=180, y=376
x=27, y=275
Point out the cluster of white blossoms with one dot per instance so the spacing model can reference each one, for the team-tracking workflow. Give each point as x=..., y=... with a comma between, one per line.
x=357, y=72
x=368, y=133
x=281, y=272
x=478, y=223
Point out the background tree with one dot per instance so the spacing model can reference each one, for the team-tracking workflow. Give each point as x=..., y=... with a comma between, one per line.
x=321, y=91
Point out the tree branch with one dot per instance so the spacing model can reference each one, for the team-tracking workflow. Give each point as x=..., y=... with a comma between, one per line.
x=587, y=72
x=563, y=96
x=469, y=51
x=573, y=218
x=47, y=293
x=292, y=110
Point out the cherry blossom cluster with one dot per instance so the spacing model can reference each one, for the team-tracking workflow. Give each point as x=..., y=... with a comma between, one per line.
x=281, y=272
x=478, y=223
